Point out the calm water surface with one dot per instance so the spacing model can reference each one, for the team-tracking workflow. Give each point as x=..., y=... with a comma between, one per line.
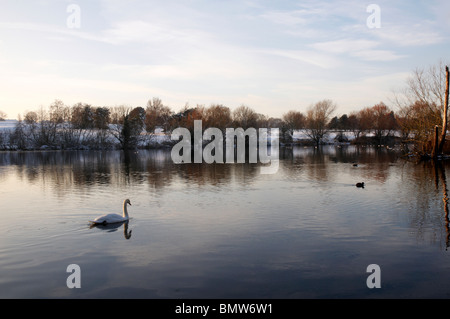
x=224, y=231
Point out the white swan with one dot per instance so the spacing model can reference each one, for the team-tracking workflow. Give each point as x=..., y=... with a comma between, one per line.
x=113, y=218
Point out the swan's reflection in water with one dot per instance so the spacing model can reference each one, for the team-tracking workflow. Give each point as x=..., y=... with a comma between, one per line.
x=114, y=227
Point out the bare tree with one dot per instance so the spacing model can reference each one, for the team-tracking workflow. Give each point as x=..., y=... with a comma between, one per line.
x=2, y=116
x=218, y=116
x=59, y=113
x=275, y=122
x=18, y=138
x=427, y=88
x=317, y=118
x=43, y=131
x=157, y=114
x=379, y=119
x=292, y=120
x=417, y=121
x=245, y=117
x=118, y=113
x=262, y=120
x=30, y=117
x=354, y=124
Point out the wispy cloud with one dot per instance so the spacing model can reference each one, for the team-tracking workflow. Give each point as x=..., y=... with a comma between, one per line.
x=359, y=48
x=420, y=34
x=288, y=18
x=138, y=31
x=377, y=55
x=324, y=61
x=345, y=45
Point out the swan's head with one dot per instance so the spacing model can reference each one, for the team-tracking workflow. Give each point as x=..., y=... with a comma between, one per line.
x=127, y=201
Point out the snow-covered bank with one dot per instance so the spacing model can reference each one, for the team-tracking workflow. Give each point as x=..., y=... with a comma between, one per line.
x=16, y=135
x=8, y=125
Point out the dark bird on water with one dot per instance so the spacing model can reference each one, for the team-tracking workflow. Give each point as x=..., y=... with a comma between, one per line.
x=360, y=184
x=355, y=165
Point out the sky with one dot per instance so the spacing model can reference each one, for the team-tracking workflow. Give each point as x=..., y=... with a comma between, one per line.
x=273, y=56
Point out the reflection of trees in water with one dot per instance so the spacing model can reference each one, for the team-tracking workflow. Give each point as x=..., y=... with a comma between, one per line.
x=217, y=174
x=131, y=168
x=81, y=169
x=309, y=160
x=316, y=162
x=201, y=174
x=64, y=171
x=378, y=169
x=159, y=169
x=440, y=171
x=155, y=167
x=420, y=182
x=426, y=191
x=60, y=170
x=422, y=187
x=88, y=168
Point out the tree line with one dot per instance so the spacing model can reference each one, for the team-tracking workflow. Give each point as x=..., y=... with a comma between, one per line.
x=100, y=127
x=421, y=108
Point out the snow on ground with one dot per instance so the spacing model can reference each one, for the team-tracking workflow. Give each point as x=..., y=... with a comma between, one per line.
x=8, y=124
x=300, y=135
x=160, y=139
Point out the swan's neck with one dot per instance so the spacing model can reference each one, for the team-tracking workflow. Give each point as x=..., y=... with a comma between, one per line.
x=125, y=211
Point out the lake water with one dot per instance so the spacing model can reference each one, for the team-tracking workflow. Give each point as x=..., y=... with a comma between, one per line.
x=224, y=231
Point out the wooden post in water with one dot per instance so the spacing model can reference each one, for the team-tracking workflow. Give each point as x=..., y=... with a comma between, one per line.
x=444, y=116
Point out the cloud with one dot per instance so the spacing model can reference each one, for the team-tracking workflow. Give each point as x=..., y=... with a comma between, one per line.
x=139, y=31
x=377, y=55
x=360, y=48
x=420, y=34
x=288, y=18
x=324, y=61
x=309, y=19
x=56, y=32
x=344, y=45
